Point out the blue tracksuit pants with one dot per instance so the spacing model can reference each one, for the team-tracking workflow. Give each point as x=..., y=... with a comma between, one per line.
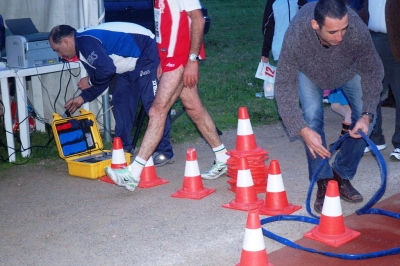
x=132, y=86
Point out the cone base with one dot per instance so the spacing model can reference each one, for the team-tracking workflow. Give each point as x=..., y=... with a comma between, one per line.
x=193, y=195
x=243, y=206
x=332, y=240
x=106, y=179
x=119, y=165
x=256, y=151
x=285, y=210
x=152, y=183
x=269, y=264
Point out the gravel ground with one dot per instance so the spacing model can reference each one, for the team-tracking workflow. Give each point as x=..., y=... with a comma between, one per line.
x=48, y=217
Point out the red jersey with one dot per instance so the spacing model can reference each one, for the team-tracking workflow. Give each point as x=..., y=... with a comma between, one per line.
x=173, y=26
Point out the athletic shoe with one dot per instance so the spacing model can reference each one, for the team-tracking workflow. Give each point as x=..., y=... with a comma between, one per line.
x=160, y=159
x=379, y=147
x=122, y=177
x=216, y=171
x=395, y=155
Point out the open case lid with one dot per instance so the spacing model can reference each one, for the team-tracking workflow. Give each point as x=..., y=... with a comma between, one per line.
x=76, y=136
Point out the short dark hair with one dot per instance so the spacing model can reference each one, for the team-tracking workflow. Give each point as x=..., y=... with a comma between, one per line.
x=61, y=31
x=335, y=9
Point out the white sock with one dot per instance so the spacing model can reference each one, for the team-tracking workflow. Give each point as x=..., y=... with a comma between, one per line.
x=220, y=154
x=137, y=167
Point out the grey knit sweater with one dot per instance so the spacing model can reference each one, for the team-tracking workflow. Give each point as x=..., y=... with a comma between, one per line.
x=328, y=68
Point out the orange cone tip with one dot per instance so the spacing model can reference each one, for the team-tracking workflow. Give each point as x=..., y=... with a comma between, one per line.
x=243, y=114
x=191, y=155
x=274, y=168
x=117, y=145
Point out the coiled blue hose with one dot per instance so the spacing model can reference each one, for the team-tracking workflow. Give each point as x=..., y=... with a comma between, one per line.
x=366, y=209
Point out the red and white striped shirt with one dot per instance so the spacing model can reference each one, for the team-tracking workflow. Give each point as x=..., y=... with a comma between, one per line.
x=173, y=26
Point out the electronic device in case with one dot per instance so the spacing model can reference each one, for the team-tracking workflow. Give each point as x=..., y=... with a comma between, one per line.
x=79, y=143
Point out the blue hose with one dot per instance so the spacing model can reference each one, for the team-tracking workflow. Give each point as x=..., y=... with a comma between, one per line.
x=366, y=209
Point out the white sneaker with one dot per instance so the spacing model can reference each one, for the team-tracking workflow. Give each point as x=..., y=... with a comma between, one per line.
x=122, y=177
x=216, y=171
x=379, y=147
x=395, y=155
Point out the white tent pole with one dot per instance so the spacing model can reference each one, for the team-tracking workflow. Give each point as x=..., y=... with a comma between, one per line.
x=105, y=97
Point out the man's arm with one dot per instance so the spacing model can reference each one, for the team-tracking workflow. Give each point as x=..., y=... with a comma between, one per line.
x=268, y=29
x=191, y=74
x=92, y=92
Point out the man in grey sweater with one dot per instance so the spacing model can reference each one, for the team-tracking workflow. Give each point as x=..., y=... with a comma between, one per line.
x=328, y=46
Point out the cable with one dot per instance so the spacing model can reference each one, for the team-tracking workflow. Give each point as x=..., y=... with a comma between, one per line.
x=59, y=90
x=35, y=113
x=366, y=209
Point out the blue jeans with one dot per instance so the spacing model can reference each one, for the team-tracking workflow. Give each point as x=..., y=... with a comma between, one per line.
x=351, y=150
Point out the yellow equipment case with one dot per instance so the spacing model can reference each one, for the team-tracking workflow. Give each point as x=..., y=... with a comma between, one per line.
x=79, y=143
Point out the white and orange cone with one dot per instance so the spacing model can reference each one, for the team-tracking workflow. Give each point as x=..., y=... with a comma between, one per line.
x=246, y=146
x=331, y=229
x=254, y=252
x=245, y=139
x=192, y=182
x=118, y=157
x=246, y=195
x=148, y=177
x=276, y=201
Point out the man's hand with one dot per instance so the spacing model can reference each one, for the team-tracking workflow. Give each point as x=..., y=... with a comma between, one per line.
x=73, y=104
x=314, y=143
x=83, y=84
x=363, y=125
x=264, y=59
x=191, y=74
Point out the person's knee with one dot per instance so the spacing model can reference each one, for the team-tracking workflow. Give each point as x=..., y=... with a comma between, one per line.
x=195, y=108
x=156, y=112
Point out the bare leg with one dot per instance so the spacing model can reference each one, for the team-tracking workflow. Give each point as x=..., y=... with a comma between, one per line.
x=194, y=108
x=169, y=88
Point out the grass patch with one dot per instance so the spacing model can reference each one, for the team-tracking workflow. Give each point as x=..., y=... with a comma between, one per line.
x=227, y=82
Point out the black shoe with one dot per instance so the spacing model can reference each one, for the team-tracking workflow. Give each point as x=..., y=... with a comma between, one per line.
x=319, y=201
x=347, y=191
x=388, y=103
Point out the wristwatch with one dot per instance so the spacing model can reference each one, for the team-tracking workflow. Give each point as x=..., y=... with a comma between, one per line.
x=370, y=115
x=193, y=57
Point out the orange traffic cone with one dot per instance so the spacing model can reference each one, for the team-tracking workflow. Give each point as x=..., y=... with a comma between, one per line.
x=246, y=146
x=192, y=183
x=331, y=229
x=245, y=139
x=275, y=197
x=246, y=196
x=148, y=177
x=253, y=251
x=118, y=157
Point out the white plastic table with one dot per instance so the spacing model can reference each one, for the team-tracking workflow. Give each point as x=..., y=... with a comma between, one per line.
x=20, y=75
